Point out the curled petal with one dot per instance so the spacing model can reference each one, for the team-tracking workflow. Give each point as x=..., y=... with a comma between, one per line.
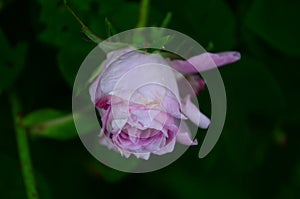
x=194, y=114
x=166, y=149
x=191, y=85
x=205, y=61
x=184, y=135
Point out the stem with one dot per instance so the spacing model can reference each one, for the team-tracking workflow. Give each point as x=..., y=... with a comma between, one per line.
x=90, y=34
x=23, y=149
x=143, y=13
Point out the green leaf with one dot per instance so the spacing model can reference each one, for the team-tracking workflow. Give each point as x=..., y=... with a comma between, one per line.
x=61, y=28
x=110, y=30
x=122, y=19
x=256, y=106
x=189, y=184
x=70, y=60
x=159, y=42
x=12, y=61
x=275, y=22
x=208, y=21
x=166, y=20
x=250, y=85
x=109, y=174
x=50, y=123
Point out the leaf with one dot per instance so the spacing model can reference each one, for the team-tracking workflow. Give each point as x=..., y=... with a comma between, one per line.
x=12, y=61
x=189, y=184
x=275, y=22
x=159, y=42
x=251, y=86
x=110, y=30
x=50, y=123
x=122, y=19
x=103, y=171
x=166, y=20
x=70, y=60
x=205, y=21
x=61, y=29
x=255, y=106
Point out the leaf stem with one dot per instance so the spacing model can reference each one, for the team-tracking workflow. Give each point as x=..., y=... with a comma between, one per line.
x=143, y=18
x=84, y=29
x=23, y=149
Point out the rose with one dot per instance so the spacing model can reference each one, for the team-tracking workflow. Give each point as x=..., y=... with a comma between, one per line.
x=143, y=102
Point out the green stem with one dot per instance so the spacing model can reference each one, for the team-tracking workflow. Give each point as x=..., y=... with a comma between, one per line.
x=23, y=149
x=143, y=18
x=84, y=29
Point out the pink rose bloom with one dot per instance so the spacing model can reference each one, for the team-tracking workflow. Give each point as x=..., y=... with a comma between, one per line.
x=142, y=104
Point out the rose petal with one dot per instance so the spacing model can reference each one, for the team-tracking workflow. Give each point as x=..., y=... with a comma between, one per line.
x=205, y=61
x=111, y=57
x=166, y=149
x=191, y=85
x=194, y=114
x=184, y=135
x=144, y=156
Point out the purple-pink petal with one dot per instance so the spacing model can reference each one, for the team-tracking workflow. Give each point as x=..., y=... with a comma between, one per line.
x=205, y=61
x=184, y=135
x=194, y=114
x=191, y=85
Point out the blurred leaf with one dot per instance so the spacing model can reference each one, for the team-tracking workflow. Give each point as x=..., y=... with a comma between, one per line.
x=103, y=171
x=70, y=59
x=280, y=136
x=252, y=94
x=246, y=148
x=12, y=60
x=122, y=19
x=50, y=123
x=110, y=30
x=210, y=21
x=166, y=20
x=61, y=29
x=189, y=184
x=251, y=87
x=274, y=21
x=4, y=3
x=297, y=176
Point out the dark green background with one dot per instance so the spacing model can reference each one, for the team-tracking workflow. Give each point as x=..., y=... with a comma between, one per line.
x=257, y=156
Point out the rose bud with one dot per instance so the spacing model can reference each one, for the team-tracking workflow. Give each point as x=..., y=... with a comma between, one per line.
x=143, y=104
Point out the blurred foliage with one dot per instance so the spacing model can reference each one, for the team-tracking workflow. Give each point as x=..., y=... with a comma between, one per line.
x=50, y=123
x=257, y=155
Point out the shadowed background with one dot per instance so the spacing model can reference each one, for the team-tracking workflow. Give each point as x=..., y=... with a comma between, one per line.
x=257, y=155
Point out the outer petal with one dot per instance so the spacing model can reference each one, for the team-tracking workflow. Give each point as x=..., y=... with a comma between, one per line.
x=191, y=85
x=194, y=114
x=111, y=57
x=119, y=69
x=184, y=135
x=107, y=142
x=144, y=156
x=166, y=149
x=205, y=61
